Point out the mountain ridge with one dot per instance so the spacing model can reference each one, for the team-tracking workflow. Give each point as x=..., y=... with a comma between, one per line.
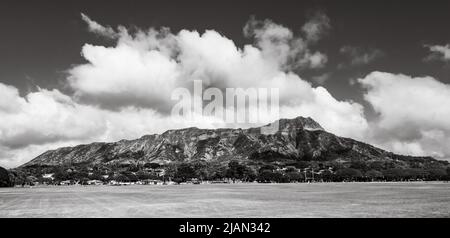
x=297, y=139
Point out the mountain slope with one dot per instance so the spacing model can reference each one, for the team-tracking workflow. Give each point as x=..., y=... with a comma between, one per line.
x=298, y=139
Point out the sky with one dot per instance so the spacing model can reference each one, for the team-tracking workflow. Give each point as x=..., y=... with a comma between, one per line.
x=84, y=71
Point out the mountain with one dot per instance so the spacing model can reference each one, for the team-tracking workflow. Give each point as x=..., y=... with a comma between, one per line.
x=299, y=139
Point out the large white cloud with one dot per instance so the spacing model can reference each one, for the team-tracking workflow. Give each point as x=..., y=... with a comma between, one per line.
x=124, y=91
x=44, y=116
x=413, y=113
x=123, y=76
x=151, y=63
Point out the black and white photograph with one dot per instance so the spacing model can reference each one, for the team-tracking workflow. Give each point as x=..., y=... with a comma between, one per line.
x=224, y=109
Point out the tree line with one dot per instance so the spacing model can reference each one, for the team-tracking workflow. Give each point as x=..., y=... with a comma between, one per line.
x=301, y=171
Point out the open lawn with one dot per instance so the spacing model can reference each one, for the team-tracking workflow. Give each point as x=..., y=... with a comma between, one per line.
x=231, y=200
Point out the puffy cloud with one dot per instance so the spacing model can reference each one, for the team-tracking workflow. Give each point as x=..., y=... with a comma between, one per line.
x=138, y=66
x=340, y=117
x=43, y=117
x=441, y=52
x=359, y=56
x=124, y=91
x=123, y=76
x=11, y=101
x=412, y=113
x=144, y=68
x=279, y=43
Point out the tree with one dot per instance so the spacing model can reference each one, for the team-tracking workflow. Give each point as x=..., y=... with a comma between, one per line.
x=130, y=175
x=326, y=175
x=436, y=173
x=395, y=174
x=240, y=171
x=201, y=170
x=133, y=168
x=79, y=175
x=294, y=176
x=301, y=164
x=374, y=174
x=121, y=178
x=143, y=175
x=267, y=176
x=290, y=169
x=349, y=174
x=219, y=172
x=376, y=165
x=268, y=167
x=43, y=180
x=61, y=175
x=359, y=165
x=415, y=173
x=170, y=171
x=184, y=172
x=96, y=175
x=17, y=177
x=4, y=178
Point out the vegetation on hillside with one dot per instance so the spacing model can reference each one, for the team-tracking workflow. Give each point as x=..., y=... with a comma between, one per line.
x=4, y=178
x=232, y=171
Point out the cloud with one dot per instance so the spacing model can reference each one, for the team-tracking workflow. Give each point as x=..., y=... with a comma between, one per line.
x=316, y=27
x=412, y=113
x=124, y=75
x=279, y=43
x=97, y=28
x=150, y=64
x=322, y=78
x=360, y=56
x=10, y=102
x=438, y=52
x=43, y=117
x=124, y=91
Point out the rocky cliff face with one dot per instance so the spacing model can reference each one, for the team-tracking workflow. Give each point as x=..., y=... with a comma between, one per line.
x=298, y=139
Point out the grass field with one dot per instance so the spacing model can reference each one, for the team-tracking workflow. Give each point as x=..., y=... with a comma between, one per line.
x=231, y=200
